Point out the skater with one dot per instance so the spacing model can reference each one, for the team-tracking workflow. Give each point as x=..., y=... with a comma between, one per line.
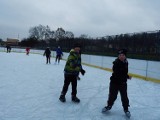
x=59, y=54
x=71, y=70
x=47, y=53
x=8, y=48
x=27, y=50
x=118, y=82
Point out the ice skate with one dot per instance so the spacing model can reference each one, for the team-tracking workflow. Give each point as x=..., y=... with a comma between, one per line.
x=75, y=99
x=106, y=108
x=127, y=113
x=62, y=98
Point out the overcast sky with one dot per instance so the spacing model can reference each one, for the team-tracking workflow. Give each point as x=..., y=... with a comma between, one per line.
x=95, y=18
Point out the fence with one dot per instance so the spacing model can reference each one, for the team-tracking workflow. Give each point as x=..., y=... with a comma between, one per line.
x=144, y=69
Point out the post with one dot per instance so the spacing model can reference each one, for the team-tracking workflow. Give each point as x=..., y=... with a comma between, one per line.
x=146, y=69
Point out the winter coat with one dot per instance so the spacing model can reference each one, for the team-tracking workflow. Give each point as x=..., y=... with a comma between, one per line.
x=47, y=52
x=120, y=72
x=59, y=51
x=73, y=64
x=27, y=49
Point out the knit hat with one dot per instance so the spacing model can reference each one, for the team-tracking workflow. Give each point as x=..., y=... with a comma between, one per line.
x=122, y=51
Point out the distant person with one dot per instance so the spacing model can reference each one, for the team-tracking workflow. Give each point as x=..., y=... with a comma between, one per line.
x=71, y=70
x=118, y=82
x=8, y=48
x=59, y=54
x=47, y=53
x=27, y=50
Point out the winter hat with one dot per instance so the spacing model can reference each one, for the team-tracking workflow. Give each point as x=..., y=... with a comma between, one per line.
x=122, y=51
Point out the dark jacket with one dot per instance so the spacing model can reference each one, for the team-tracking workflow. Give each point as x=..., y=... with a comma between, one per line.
x=120, y=72
x=47, y=52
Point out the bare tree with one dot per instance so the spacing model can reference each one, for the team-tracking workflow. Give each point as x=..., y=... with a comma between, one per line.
x=59, y=33
x=83, y=36
x=69, y=34
x=40, y=32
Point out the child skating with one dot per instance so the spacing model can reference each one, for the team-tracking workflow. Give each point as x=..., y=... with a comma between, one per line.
x=47, y=53
x=118, y=83
x=72, y=68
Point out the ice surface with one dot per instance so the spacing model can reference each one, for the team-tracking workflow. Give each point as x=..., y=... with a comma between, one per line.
x=30, y=90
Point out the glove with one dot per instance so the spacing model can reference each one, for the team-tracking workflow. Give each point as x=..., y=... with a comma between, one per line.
x=82, y=72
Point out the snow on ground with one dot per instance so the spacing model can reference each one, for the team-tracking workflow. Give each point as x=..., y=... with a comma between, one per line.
x=30, y=89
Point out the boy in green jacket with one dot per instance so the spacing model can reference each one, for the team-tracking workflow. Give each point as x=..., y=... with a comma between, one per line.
x=72, y=68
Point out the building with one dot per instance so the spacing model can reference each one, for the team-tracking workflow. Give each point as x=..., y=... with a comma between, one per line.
x=12, y=42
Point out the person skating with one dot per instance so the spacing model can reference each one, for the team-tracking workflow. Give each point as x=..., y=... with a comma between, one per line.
x=72, y=68
x=59, y=54
x=118, y=82
x=27, y=50
x=8, y=48
x=47, y=53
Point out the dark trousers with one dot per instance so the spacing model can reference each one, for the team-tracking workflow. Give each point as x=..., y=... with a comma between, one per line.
x=67, y=80
x=58, y=57
x=27, y=52
x=47, y=59
x=113, y=92
x=8, y=50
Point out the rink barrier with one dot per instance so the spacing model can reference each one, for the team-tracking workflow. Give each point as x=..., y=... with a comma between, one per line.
x=145, y=78
x=131, y=74
x=106, y=69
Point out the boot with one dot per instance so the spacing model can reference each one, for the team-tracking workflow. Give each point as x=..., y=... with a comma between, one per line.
x=62, y=98
x=106, y=108
x=127, y=113
x=75, y=99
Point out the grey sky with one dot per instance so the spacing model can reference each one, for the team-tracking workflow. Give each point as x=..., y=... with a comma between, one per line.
x=92, y=17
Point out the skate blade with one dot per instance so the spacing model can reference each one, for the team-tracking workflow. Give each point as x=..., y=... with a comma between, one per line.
x=128, y=115
x=104, y=110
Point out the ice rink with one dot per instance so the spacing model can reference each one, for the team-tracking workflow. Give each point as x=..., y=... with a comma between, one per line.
x=30, y=90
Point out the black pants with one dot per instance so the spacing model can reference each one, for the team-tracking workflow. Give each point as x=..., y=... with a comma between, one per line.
x=27, y=52
x=113, y=92
x=67, y=80
x=58, y=57
x=48, y=59
x=8, y=50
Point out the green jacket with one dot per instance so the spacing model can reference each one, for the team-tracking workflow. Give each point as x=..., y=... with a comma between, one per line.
x=73, y=64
